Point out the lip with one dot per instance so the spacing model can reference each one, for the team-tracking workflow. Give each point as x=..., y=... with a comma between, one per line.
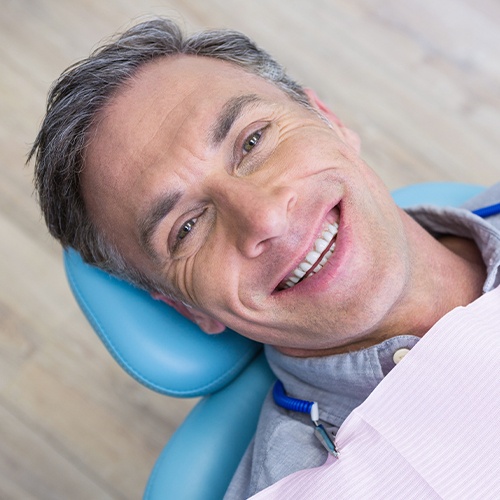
x=313, y=236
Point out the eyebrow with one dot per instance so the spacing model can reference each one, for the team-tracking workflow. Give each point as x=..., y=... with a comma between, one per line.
x=231, y=111
x=161, y=207
x=150, y=222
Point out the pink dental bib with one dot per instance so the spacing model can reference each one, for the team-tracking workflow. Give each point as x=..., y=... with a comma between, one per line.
x=430, y=430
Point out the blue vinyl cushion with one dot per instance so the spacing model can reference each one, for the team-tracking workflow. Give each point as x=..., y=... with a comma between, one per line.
x=151, y=341
x=451, y=194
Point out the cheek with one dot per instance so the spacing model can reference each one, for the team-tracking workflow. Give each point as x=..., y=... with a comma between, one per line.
x=211, y=275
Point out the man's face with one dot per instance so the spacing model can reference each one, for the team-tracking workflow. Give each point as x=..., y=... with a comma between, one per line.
x=219, y=184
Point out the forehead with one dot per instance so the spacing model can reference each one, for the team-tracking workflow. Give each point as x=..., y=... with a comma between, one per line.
x=172, y=99
x=178, y=90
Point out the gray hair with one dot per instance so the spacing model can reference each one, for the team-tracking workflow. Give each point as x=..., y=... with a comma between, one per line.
x=84, y=89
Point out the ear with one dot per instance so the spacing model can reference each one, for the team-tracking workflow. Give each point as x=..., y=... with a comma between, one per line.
x=203, y=320
x=346, y=134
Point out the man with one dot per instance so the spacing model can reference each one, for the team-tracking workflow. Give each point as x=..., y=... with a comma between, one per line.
x=197, y=169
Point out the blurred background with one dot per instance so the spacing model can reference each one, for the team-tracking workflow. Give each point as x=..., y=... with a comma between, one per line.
x=419, y=80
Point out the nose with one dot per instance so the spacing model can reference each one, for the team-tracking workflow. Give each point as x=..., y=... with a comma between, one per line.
x=254, y=215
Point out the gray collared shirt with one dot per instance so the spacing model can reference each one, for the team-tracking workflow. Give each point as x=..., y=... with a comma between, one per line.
x=284, y=442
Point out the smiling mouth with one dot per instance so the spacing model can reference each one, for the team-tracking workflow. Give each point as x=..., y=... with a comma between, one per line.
x=317, y=257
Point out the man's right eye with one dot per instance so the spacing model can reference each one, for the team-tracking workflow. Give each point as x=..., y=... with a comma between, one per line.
x=186, y=228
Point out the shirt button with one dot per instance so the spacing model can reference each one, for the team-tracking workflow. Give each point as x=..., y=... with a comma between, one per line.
x=399, y=355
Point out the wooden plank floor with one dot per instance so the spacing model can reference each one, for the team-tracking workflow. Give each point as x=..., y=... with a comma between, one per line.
x=418, y=79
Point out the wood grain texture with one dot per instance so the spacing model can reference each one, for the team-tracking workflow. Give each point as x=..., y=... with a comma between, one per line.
x=420, y=82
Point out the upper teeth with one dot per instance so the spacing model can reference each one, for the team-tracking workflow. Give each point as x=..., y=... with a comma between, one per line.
x=311, y=259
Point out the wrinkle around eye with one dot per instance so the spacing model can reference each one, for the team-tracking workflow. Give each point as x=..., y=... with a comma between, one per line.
x=178, y=275
x=190, y=245
x=246, y=163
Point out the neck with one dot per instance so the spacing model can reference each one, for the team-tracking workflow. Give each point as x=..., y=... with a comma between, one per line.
x=448, y=272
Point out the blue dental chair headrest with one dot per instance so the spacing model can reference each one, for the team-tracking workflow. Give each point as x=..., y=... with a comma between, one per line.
x=152, y=342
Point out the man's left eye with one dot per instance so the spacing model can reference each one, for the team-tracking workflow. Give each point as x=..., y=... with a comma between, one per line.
x=251, y=141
